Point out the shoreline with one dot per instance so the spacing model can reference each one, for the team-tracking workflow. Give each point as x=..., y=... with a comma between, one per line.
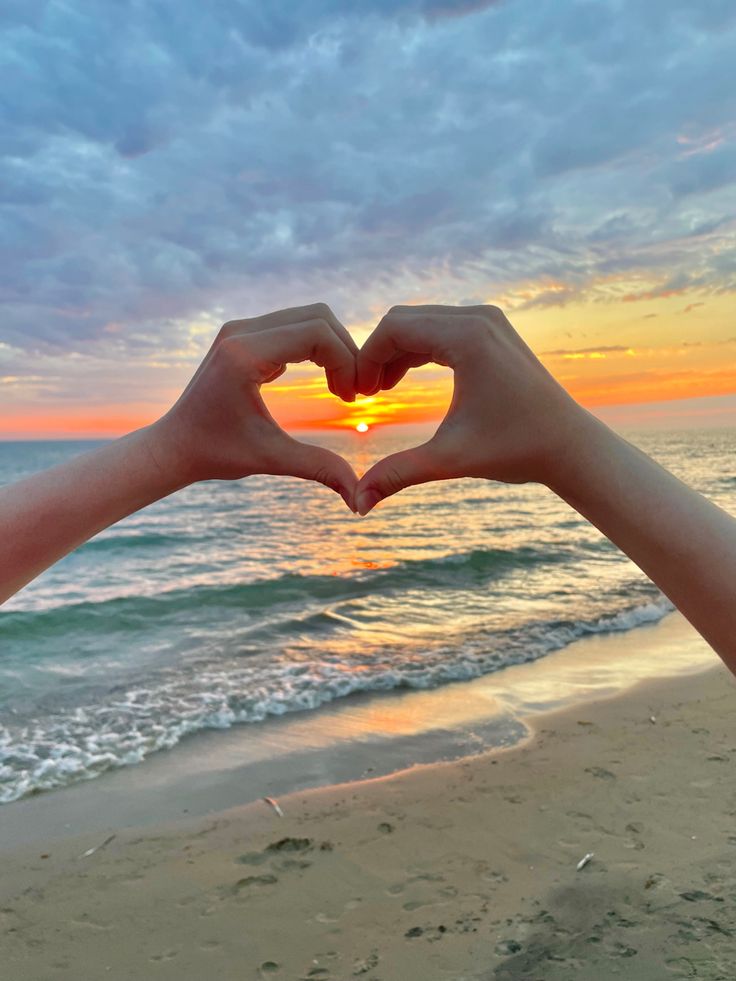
x=370, y=734
x=461, y=871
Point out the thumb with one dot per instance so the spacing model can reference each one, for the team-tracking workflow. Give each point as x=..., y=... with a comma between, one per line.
x=324, y=466
x=392, y=474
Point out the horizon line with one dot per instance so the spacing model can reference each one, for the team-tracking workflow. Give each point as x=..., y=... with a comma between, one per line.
x=695, y=412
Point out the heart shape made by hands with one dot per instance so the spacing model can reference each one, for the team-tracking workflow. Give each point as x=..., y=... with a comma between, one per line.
x=350, y=428
x=507, y=417
x=406, y=338
x=495, y=377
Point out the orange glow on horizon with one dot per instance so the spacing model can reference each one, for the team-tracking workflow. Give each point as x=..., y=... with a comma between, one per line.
x=418, y=404
x=612, y=353
x=79, y=423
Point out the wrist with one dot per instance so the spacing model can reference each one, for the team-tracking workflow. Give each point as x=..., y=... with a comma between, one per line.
x=169, y=457
x=583, y=440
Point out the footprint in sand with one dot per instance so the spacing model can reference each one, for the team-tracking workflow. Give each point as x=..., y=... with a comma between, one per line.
x=187, y=901
x=494, y=876
x=280, y=847
x=365, y=965
x=8, y=917
x=254, y=880
x=167, y=955
x=285, y=855
x=417, y=904
x=421, y=876
x=324, y=918
x=291, y=845
x=600, y=772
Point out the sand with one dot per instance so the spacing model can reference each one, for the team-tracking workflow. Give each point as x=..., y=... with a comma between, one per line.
x=464, y=870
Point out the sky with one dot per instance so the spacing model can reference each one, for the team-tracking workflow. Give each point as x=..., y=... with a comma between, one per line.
x=165, y=167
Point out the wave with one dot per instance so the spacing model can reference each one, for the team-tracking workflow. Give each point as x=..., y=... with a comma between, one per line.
x=134, y=723
x=144, y=540
x=131, y=613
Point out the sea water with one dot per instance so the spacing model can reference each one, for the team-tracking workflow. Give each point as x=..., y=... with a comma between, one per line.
x=230, y=603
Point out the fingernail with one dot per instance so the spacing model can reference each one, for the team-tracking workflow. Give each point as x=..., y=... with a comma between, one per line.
x=367, y=500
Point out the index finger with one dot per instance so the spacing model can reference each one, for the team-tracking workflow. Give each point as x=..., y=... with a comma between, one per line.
x=294, y=315
x=310, y=340
x=403, y=331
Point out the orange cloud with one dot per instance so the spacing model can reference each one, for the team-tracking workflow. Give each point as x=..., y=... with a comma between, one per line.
x=657, y=294
x=594, y=353
x=652, y=386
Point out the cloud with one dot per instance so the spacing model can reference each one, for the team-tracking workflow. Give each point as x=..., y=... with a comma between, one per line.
x=724, y=342
x=673, y=286
x=551, y=298
x=583, y=352
x=162, y=163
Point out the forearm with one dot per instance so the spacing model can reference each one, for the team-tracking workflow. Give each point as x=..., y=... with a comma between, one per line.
x=45, y=516
x=219, y=428
x=682, y=541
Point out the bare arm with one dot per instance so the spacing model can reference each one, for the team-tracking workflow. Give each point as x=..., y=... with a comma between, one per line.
x=511, y=421
x=682, y=541
x=219, y=428
x=47, y=515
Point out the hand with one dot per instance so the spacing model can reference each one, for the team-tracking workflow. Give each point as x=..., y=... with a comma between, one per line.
x=509, y=419
x=220, y=426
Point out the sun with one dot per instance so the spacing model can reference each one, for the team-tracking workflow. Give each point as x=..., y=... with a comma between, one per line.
x=362, y=427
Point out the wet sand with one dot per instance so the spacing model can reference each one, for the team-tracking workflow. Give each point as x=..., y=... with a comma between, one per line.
x=365, y=735
x=462, y=870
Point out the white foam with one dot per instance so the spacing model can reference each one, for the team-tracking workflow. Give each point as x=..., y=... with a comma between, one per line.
x=83, y=743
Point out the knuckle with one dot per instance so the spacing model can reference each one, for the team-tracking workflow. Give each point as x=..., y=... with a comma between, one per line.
x=226, y=341
x=232, y=327
x=392, y=480
x=320, y=310
x=231, y=347
x=323, y=476
x=494, y=314
x=245, y=352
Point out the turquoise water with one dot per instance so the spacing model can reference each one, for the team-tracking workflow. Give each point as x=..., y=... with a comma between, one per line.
x=232, y=602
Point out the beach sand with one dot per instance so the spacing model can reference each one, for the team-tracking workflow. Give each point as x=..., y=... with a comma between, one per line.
x=462, y=870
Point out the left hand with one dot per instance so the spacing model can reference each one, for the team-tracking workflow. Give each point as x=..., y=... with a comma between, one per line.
x=220, y=426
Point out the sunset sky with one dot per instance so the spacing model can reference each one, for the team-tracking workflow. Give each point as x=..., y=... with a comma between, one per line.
x=165, y=167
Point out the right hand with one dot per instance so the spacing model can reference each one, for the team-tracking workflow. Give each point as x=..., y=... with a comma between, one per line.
x=509, y=419
x=220, y=426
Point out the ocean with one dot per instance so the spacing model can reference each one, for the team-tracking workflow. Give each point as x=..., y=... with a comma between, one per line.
x=228, y=604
